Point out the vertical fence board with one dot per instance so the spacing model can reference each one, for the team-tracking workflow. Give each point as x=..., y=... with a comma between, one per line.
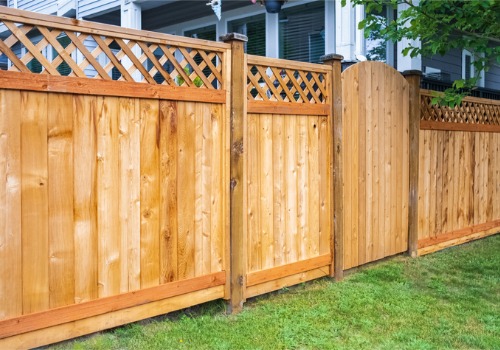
x=291, y=189
x=34, y=197
x=218, y=186
x=150, y=193
x=198, y=189
x=168, y=188
x=11, y=274
x=206, y=188
x=130, y=192
x=254, y=243
x=266, y=190
x=186, y=186
x=325, y=161
x=85, y=197
x=314, y=181
x=108, y=192
x=61, y=228
x=278, y=156
x=302, y=148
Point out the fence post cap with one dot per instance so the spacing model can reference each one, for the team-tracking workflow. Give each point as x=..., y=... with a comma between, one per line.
x=331, y=57
x=412, y=72
x=234, y=36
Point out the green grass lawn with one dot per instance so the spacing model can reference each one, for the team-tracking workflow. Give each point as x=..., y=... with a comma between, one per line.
x=447, y=300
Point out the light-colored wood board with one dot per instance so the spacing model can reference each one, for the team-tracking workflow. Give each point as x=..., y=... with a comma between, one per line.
x=34, y=199
x=314, y=186
x=129, y=198
x=325, y=162
x=405, y=205
x=431, y=218
x=11, y=295
x=353, y=194
x=279, y=204
x=60, y=194
x=85, y=197
x=109, y=240
x=254, y=212
x=219, y=195
x=432, y=125
x=302, y=149
x=360, y=154
x=150, y=193
x=291, y=223
x=207, y=169
x=198, y=262
x=186, y=186
x=347, y=116
x=266, y=190
x=369, y=166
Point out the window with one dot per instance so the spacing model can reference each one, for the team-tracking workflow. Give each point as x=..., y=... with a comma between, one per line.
x=205, y=33
x=254, y=28
x=468, y=69
x=302, y=32
x=377, y=49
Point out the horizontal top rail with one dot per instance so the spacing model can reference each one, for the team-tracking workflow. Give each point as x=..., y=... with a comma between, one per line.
x=278, y=80
x=472, y=111
x=67, y=47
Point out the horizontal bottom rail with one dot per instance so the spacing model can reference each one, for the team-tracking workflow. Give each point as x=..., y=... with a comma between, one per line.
x=112, y=319
x=274, y=273
x=70, y=313
x=287, y=281
x=431, y=245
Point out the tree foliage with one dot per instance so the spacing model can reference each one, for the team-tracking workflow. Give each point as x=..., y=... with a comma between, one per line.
x=441, y=25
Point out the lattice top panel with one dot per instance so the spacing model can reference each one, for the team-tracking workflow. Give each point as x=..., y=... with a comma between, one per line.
x=471, y=111
x=64, y=47
x=286, y=81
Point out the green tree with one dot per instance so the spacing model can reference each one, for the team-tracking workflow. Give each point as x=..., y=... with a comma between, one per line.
x=441, y=25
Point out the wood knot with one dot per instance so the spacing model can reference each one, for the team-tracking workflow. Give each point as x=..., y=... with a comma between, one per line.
x=233, y=184
x=237, y=148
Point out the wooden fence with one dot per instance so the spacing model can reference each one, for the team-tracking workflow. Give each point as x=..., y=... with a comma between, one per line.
x=115, y=202
x=145, y=173
x=459, y=183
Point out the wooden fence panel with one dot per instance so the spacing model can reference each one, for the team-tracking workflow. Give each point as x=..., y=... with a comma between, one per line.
x=460, y=193
x=375, y=143
x=459, y=172
x=95, y=219
x=288, y=177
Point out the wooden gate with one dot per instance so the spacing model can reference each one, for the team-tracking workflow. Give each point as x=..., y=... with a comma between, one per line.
x=376, y=168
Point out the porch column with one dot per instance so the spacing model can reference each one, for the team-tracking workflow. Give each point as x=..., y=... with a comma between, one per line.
x=130, y=17
x=345, y=25
x=406, y=62
x=272, y=35
x=330, y=22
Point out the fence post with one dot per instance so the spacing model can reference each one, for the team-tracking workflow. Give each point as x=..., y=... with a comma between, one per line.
x=336, y=185
x=413, y=78
x=238, y=113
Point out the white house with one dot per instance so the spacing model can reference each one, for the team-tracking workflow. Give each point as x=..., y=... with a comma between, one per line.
x=303, y=30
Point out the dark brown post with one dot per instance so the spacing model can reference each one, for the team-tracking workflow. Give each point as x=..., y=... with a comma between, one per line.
x=337, y=191
x=413, y=78
x=238, y=114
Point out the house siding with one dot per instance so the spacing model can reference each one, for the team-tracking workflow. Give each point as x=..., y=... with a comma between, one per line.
x=40, y=6
x=492, y=78
x=89, y=8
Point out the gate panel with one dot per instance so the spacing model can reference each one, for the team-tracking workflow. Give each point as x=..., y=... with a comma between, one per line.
x=376, y=172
